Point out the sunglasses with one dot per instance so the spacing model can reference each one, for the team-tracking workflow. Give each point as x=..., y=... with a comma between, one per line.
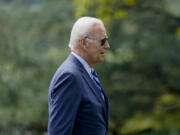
x=102, y=41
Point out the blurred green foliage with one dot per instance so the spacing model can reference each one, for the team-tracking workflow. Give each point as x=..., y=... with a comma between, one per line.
x=140, y=74
x=33, y=43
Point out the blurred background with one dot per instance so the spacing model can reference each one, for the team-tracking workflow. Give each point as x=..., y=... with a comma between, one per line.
x=141, y=73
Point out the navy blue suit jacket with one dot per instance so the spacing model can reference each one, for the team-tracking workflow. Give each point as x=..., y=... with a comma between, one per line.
x=76, y=106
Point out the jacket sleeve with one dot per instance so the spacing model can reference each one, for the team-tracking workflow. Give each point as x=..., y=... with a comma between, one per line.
x=64, y=101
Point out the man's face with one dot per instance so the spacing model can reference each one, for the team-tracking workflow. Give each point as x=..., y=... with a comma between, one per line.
x=95, y=50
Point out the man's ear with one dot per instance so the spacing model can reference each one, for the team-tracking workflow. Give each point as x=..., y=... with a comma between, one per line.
x=83, y=43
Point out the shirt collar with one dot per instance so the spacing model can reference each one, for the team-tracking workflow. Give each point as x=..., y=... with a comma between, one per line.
x=83, y=62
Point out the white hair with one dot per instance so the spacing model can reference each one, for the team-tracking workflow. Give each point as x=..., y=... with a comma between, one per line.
x=81, y=28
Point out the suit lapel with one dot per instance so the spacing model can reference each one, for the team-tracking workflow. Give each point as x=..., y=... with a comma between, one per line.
x=93, y=87
x=107, y=106
x=97, y=94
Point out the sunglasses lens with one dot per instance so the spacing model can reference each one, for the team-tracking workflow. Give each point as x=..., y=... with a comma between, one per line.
x=103, y=41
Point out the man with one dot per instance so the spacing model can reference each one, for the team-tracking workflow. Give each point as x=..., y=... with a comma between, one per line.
x=78, y=104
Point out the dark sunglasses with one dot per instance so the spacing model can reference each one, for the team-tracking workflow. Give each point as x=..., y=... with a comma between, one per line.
x=103, y=41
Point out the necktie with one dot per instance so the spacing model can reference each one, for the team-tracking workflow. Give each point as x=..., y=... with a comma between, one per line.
x=96, y=81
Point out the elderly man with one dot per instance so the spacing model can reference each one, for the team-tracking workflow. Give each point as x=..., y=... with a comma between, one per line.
x=78, y=104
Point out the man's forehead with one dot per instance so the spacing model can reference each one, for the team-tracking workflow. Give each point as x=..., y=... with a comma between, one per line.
x=99, y=30
x=97, y=26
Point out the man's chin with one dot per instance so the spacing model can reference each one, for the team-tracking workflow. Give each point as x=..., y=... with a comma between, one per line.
x=101, y=59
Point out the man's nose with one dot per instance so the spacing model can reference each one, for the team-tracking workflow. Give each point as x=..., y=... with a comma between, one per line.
x=107, y=45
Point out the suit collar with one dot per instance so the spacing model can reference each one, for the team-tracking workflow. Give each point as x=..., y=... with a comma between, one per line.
x=86, y=77
x=74, y=60
x=83, y=62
